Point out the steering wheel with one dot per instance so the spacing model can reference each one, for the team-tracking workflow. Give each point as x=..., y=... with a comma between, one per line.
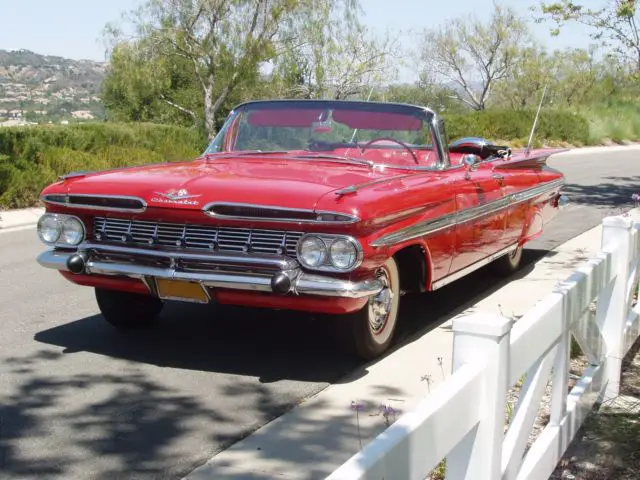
x=391, y=139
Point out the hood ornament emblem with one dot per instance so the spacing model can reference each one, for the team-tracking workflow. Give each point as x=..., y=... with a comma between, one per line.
x=176, y=196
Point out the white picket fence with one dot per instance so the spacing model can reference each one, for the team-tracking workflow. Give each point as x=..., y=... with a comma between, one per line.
x=463, y=420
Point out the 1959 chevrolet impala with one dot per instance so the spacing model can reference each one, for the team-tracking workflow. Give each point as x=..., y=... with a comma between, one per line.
x=330, y=207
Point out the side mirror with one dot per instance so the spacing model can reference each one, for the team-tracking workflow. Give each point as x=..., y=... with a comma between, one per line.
x=470, y=161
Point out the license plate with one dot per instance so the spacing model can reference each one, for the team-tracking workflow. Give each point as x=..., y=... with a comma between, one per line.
x=179, y=290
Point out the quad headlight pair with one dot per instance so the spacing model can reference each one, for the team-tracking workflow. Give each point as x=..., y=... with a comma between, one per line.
x=58, y=229
x=329, y=252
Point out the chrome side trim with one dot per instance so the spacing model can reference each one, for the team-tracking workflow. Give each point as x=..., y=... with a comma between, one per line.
x=415, y=231
x=350, y=218
x=301, y=283
x=471, y=268
x=458, y=218
x=88, y=206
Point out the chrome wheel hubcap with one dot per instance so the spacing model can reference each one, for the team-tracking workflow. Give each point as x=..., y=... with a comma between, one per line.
x=380, y=306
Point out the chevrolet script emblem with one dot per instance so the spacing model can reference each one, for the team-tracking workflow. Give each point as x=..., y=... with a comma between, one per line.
x=181, y=197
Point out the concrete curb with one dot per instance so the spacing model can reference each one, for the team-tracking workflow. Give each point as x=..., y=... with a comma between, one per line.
x=14, y=219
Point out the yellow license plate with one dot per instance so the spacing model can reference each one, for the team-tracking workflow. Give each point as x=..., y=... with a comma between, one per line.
x=179, y=290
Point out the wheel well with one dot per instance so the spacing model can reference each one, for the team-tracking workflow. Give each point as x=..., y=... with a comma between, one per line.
x=412, y=266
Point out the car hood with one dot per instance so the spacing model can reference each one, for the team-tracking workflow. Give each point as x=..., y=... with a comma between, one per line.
x=270, y=182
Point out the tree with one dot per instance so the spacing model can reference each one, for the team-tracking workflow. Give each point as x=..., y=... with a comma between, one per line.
x=570, y=74
x=340, y=59
x=223, y=41
x=616, y=25
x=422, y=92
x=474, y=56
x=139, y=87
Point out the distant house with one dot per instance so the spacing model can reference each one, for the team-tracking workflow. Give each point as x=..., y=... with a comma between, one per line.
x=15, y=114
x=82, y=115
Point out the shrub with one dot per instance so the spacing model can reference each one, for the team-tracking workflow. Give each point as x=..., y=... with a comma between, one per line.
x=516, y=124
x=32, y=157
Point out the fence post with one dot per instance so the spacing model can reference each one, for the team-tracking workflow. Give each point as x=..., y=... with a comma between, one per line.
x=482, y=338
x=612, y=307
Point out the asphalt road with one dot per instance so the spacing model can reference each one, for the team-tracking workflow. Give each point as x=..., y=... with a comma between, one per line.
x=79, y=400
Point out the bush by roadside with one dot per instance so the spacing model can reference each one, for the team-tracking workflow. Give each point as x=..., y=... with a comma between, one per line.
x=515, y=125
x=32, y=157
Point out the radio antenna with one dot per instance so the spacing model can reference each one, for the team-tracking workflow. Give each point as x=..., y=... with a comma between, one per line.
x=535, y=122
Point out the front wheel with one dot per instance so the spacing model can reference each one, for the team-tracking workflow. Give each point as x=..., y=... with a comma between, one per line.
x=370, y=331
x=126, y=310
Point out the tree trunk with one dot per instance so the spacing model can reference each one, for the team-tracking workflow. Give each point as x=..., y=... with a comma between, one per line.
x=212, y=106
x=209, y=113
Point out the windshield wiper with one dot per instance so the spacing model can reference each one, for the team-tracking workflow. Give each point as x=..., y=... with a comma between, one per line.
x=341, y=159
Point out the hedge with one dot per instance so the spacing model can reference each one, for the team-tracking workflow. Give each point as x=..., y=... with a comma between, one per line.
x=508, y=125
x=32, y=157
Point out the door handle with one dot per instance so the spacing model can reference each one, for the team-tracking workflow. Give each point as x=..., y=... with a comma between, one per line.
x=497, y=176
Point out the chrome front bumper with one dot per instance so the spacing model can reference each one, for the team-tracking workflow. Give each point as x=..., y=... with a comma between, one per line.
x=277, y=275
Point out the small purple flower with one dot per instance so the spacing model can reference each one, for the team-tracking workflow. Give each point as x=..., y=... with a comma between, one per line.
x=357, y=406
x=387, y=411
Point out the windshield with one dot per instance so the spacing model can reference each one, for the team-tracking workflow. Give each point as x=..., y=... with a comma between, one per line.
x=390, y=134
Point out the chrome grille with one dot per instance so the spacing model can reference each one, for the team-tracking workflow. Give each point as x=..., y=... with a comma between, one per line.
x=192, y=236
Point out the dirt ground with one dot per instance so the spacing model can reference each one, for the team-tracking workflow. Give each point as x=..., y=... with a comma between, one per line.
x=607, y=447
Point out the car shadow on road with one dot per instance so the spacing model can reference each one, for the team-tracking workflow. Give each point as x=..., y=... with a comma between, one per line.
x=265, y=344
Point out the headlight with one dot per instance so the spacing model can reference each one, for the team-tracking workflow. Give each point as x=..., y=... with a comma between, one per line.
x=72, y=231
x=56, y=229
x=343, y=254
x=49, y=228
x=329, y=252
x=312, y=252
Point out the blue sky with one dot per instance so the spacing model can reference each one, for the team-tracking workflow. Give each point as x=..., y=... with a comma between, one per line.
x=72, y=28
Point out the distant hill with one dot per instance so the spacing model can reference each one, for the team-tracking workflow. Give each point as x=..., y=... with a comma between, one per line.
x=45, y=88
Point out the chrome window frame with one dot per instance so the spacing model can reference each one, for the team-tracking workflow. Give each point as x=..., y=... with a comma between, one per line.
x=429, y=117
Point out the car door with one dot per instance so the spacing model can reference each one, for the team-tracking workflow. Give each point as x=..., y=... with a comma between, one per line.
x=480, y=214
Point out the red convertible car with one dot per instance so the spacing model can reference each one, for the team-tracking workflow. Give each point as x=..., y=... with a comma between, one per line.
x=330, y=207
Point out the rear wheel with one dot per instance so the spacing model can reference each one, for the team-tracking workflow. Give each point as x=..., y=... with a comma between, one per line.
x=126, y=310
x=509, y=263
x=370, y=331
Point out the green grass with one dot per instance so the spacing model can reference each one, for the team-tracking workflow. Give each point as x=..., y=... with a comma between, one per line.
x=618, y=122
x=33, y=157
